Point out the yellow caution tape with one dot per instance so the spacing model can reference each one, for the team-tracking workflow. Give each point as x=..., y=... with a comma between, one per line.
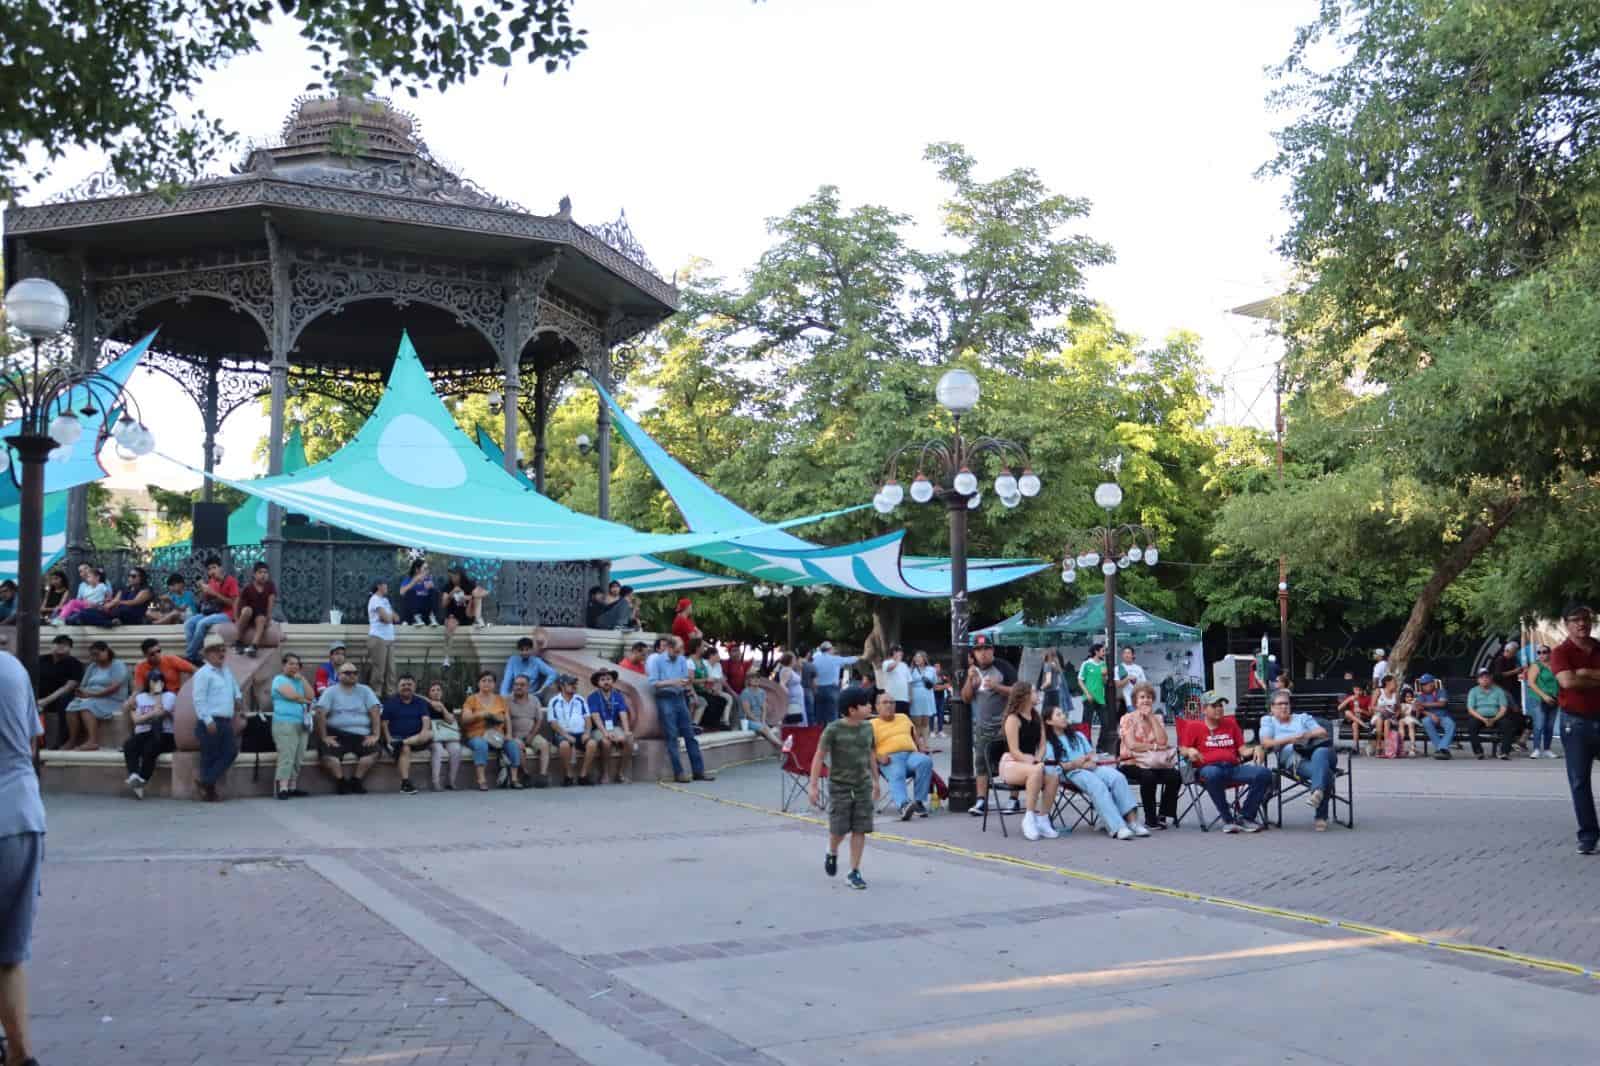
x=1375, y=931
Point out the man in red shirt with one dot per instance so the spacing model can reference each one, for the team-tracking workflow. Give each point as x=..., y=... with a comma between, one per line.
x=735, y=668
x=256, y=601
x=1215, y=747
x=1576, y=662
x=683, y=623
x=633, y=658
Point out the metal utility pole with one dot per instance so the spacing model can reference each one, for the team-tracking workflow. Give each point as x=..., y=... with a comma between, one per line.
x=1287, y=665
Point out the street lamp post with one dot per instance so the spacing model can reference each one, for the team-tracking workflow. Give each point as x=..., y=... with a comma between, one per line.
x=944, y=471
x=1112, y=549
x=49, y=401
x=787, y=592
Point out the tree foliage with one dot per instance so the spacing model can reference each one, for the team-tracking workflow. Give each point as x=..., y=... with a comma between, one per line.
x=117, y=75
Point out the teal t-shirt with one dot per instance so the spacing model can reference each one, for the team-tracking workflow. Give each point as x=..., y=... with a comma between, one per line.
x=287, y=710
x=1487, y=702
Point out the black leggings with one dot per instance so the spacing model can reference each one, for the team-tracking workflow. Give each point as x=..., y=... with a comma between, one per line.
x=140, y=751
x=1147, y=779
x=711, y=719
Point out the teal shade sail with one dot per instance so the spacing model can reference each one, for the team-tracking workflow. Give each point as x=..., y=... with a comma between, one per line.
x=55, y=534
x=411, y=477
x=877, y=566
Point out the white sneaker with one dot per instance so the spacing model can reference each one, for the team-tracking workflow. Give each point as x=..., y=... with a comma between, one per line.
x=1140, y=831
x=138, y=790
x=1029, y=830
x=976, y=810
x=1315, y=797
x=1230, y=827
x=132, y=780
x=1046, y=830
x=1124, y=833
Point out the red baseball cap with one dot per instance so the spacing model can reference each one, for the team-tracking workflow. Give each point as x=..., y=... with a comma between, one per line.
x=685, y=602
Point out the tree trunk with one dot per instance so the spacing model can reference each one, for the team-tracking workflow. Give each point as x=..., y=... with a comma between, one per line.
x=1450, y=567
x=885, y=631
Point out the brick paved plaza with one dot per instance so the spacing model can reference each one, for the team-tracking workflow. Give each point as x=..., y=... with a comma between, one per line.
x=638, y=926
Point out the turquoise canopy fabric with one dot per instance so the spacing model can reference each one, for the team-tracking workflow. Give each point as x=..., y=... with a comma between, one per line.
x=81, y=464
x=411, y=477
x=876, y=566
x=643, y=573
x=1087, y=622
x=55, y=534
x=248, y=522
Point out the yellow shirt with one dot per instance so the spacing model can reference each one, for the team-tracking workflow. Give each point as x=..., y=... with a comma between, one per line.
x=892, y=735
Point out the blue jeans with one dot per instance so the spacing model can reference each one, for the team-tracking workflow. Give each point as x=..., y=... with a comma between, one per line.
x=1218, y=776
x=675, y=723
x=1580, y=742
x=1544, y=721
x=511, y=752
x=1440, y=736
x=216, y=752
x=909, y=763
x=1317, y=771
x=827, y=704
x=195, y=630
x=1110, y=793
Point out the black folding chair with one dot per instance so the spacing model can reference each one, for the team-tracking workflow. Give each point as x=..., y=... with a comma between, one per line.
x=1071, y=800
x=1289, y=786
x=1194, y=791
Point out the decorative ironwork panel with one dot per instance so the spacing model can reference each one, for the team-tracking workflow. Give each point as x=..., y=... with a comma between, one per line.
x=242, y=281
x=550, y=594
x=238, y=383
x=322, y=281
x=619, y=235
x=570, y=319
x=417, y=179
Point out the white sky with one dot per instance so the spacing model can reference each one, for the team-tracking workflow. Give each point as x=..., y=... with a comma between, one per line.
x=704, y=118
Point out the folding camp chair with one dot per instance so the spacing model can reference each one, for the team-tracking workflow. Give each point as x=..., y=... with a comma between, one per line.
x=1194, y=792
x=794, y=765
x=1069, y=800
x=1290, y=787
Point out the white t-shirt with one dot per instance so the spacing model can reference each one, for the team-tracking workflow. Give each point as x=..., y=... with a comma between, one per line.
x=569, y=714
x=897, y=680
x=1380, y=670
x=1129, y=675
x=145, y=701
x=376, y=626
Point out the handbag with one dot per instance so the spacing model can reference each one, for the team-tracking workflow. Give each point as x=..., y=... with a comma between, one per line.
x=495, y=739
x=444, y=732
x=257, y=738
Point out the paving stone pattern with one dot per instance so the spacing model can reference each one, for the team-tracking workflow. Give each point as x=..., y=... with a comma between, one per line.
x=142, y=963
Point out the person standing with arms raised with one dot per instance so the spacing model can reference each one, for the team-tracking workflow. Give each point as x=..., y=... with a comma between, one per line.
x=829, y=667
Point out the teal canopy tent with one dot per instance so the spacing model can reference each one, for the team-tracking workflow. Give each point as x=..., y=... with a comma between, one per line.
x=411, y=477
x=55, y=534
x=876, y=566
x=642, y=573
x=1086, y=623
x=248, y=522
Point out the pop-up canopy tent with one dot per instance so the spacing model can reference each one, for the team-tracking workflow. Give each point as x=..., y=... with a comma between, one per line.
x=642, y=573
x=876, y=566
x=1165, y=649
x=410, y=476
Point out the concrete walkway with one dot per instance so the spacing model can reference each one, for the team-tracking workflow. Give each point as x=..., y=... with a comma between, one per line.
x=646, y=925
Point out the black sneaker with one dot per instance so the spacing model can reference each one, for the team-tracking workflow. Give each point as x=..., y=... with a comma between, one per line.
x=855, y=880
x=541, y=781
x=584, y=781
x=1480, y=756
x=906, y=811
x=1586, y=849
x=566, y=782
x=343, y=786
x=1015, y=807
x=1505, y=755
x=358, y=786
x=830, y=865
x=407, y=788
x=976, y=810
x=922, y=809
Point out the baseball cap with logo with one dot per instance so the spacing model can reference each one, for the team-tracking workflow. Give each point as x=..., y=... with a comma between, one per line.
x=1214, y=697
x=982, y=641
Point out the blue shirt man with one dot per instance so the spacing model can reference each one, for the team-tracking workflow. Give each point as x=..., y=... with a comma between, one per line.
x=609, y=706
x=525, y=663
x=828, y=669
x=668, y=673
x=1432, y=706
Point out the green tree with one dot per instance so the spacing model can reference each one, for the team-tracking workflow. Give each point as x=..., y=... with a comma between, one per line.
x=112, y=524
x=1441, y=176
x=115, y=75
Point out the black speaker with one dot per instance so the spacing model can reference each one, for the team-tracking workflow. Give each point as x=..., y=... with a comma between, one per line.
x=210, y=525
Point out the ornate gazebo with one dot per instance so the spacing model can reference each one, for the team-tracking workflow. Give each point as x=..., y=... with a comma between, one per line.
x=298, y=271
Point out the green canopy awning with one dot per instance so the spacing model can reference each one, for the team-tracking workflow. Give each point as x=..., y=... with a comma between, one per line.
x=1085, y=624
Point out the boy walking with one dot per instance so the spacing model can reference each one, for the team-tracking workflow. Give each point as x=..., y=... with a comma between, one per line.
x=853, y=787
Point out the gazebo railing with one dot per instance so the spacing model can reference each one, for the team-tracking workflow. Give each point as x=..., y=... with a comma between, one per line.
x=318, y=576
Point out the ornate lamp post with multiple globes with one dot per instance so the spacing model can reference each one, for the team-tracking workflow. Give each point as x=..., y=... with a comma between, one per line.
x=944, y=470
x=48, y=403
x=1110, y=549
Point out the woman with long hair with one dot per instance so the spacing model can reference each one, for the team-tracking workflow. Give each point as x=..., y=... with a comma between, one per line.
x=419, y=600
x=923, y=678
x=1107, y=789
x=1022, y=761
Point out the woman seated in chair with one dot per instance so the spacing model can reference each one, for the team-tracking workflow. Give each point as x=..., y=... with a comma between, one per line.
x=1022, y=761
x=1149, y=759
x=1106, y=788
x=1303, y=750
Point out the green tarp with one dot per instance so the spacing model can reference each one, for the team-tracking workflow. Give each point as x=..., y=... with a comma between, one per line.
x=1085, y=624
